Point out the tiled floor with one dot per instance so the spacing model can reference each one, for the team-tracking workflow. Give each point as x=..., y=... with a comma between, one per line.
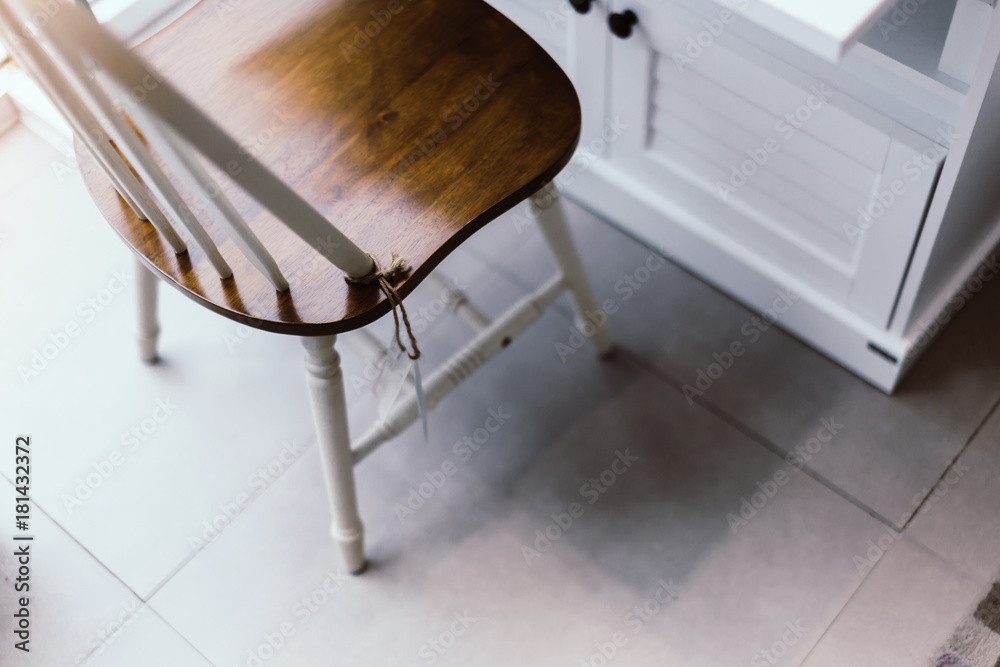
x=205, y=542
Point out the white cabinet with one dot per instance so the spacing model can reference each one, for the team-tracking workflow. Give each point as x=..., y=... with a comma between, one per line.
x=843, y=149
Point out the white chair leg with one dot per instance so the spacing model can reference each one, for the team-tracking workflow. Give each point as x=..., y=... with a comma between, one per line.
x=326, y=392
x=546, y=207
x=146, y=284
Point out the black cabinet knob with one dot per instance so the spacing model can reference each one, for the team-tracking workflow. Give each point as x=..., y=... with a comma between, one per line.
x=621, y=24
x=581, y=6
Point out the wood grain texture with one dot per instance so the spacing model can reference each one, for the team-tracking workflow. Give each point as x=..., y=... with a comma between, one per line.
x=408, y=138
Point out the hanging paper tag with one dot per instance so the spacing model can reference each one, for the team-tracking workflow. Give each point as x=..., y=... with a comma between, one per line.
x=418, y=386
x=393, y=370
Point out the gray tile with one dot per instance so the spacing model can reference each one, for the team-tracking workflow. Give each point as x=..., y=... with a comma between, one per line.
x=959, y=521
x=462, y=550
x=905, y=611
x=891, y=447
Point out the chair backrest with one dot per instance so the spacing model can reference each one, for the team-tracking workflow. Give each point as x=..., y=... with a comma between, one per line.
x=83, y=69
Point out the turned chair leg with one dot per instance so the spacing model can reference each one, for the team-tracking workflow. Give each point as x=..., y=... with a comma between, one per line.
x=326, y=392
x=546, y=207
x=146, y=284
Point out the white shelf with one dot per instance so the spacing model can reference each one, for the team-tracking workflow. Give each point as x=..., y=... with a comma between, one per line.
x=824, y=27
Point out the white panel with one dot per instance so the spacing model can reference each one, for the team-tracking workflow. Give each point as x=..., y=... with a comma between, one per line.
x=802, y=171
x=886, y=238
x=781, y=97
x=673, y=169
x=715, y=132
x=966, y=37
x=963, y=222
x=734, y=110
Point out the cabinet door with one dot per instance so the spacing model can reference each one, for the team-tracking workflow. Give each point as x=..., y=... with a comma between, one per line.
x=806, y=183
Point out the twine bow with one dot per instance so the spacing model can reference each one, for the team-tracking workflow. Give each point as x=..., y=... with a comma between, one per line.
x=383, y=277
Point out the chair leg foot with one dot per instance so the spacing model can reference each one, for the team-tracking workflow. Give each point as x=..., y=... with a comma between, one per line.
x=352, y=552
x=148, y=333
x=326, y=393
x=546, y=206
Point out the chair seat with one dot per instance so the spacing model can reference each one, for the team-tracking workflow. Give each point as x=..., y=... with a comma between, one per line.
x=409, y=124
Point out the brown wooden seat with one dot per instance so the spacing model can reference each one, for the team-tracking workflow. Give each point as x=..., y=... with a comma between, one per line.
x=408, y=124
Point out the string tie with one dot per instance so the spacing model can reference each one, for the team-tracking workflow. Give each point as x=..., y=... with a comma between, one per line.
x=383, y=278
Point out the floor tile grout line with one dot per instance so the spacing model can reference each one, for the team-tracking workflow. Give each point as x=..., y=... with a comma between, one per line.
x=97, y=560
x=636, y=360
x=840, y=612
x=179, y=634
x=72, y=537
x=951, y=464
x=181, y=565
x=756, y=437
x=916, y=545
x=187, y=561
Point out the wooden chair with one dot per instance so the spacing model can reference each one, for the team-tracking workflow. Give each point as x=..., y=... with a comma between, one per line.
x=370, y=130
